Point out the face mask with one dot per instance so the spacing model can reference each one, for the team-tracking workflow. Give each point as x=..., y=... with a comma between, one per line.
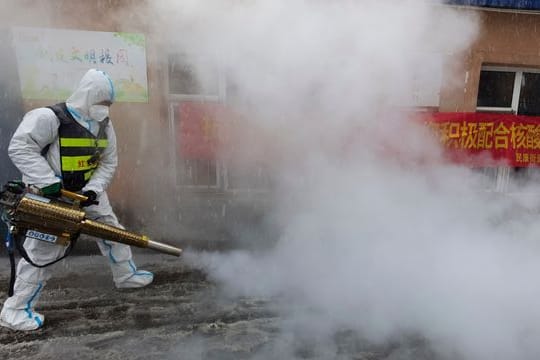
x=98, y=112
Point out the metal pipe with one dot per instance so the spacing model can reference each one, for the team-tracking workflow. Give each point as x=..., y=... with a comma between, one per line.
x=164, y=248
x=113, y=233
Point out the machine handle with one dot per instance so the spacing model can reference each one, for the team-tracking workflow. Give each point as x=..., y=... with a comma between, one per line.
x=77, y=198
x=73, y=196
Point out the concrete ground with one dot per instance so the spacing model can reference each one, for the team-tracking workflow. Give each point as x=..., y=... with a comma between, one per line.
x=182, y=315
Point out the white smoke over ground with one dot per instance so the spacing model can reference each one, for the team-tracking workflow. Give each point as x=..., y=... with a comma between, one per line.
x=371, y=240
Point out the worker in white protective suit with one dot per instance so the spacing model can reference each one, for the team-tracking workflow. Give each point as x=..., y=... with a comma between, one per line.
x=71, y=145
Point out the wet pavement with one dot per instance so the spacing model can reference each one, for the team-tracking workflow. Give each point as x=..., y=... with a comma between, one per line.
x=182, y=315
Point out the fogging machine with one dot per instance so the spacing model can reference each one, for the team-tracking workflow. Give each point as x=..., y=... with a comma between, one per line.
x=59, y=221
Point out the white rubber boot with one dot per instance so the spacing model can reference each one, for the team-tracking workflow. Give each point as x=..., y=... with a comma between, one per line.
x=18, y=311
x=126, y=275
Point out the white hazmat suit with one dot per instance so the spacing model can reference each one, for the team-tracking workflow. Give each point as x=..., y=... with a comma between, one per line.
x=39, y=129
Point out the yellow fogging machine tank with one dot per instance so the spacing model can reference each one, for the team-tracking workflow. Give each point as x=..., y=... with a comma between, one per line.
x=60, y=222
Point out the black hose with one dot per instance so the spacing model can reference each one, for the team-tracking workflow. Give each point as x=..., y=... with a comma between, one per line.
x=13, y=274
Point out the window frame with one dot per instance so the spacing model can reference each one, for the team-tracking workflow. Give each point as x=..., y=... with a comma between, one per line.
x=223, y=176
x=241, y=190
x=173, y=101
x=219, y=97
x=516, y=91
x=173, y=154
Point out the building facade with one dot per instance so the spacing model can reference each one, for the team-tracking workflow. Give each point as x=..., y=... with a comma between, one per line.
x=171, y=183
x=500, y=75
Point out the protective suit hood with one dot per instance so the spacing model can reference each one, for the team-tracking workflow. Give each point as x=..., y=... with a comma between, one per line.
x=95, y=86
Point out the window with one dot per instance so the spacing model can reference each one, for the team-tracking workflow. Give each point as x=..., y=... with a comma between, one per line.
x=197, y=172
x=252, y=177
x=529, y=99
x=496, y=89
x=512, y=90
x=193, y=79
x=190, y=169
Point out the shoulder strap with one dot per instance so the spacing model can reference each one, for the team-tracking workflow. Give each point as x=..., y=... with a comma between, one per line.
x=62, y=113
x=102, y=127
x=60, y=110
x=45, y=150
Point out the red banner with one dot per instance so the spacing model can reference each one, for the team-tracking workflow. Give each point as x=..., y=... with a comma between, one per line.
x=476, y=139
x=485, y=139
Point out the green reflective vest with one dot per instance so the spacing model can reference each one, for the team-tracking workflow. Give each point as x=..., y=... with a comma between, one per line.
x=80, y=150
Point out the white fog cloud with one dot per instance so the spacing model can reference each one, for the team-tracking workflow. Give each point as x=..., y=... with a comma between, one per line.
x=379, y=236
